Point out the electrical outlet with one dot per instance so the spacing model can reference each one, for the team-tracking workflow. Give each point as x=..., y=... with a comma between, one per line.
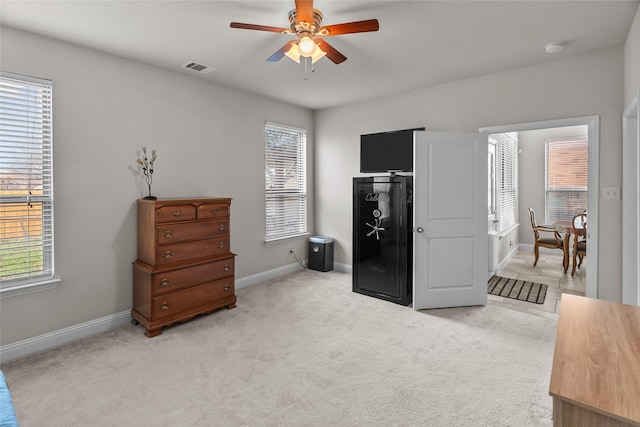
x=611, y=193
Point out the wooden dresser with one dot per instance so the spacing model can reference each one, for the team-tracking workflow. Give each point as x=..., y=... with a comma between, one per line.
x=595, y=379
x=185, y=266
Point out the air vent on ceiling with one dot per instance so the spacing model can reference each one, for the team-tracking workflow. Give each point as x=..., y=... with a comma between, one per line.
x=199, y=68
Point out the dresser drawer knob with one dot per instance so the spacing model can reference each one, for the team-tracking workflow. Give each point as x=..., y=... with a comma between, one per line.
x=226, y=287
x=222, y=245
x=177, y=213
x=214, y=210
x=164, y=283
x=221, y=227
x=168, y=234
x=227, y=267
x=168, y=255
x=164, y=306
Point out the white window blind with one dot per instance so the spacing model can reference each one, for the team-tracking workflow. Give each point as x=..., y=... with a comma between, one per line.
x=285, y=181
x=26, y=180
x=566, y=176
x=491, y=201
x=507, y=210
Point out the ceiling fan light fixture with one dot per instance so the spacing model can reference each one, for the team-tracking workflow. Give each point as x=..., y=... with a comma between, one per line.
x=306, y=46
x=305, y=23
x=317, y=54
x=293, y=53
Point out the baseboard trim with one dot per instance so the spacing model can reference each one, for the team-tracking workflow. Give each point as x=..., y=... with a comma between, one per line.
x=502, y=264
x=529, y=248
x=343, y=268
x=63, y=336
x=244, y=282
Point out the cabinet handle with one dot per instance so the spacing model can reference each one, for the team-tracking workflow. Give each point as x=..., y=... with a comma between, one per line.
x=222, y=245
x=168, y=255
x=177, y=213
x=227, y=267
x=226, y=287
x=164, y=306
x=168, y=234
x=214, y=211
x=221, y=227
x=164, y=283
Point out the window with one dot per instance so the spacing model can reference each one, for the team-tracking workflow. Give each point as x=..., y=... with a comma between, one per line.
x=507, y=194
x=491, y=168
x=26, y=180
x=285, y=181
x=566, y=174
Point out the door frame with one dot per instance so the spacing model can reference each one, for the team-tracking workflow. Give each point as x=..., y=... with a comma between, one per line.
x=593, y=124
x=631, y=203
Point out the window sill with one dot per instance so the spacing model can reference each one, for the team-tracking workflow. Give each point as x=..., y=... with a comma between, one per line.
x=27, y=288
x=282, y=239
x=503, y=233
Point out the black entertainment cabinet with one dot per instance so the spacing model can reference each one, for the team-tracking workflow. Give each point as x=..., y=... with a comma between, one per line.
x=383, y=237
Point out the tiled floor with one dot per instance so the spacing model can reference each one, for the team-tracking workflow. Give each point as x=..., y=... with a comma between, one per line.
x=548, y=271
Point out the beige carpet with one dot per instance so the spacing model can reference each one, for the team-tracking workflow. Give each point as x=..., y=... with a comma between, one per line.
x=301, y=350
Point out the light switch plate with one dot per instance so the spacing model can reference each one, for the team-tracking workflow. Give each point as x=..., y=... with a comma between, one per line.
x=611, y=193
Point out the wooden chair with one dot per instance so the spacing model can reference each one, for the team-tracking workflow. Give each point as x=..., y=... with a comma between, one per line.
x=554, y=242
x=579, y=231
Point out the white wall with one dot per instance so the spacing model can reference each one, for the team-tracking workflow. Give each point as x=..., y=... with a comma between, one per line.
x=210, y=142
x=632, y=61
x=579, y=86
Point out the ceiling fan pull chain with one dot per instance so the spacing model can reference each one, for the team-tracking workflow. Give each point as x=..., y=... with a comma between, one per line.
x=305, y=68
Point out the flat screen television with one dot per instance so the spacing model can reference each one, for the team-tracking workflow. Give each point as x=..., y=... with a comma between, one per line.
x=387, y=151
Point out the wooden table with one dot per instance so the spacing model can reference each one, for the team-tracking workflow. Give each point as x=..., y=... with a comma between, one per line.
x=565, y=228
x=595, y=379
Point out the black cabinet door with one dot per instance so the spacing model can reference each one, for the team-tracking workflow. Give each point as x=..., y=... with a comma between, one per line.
x=382, y=240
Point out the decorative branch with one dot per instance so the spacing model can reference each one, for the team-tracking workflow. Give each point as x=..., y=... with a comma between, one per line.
x=147, y=168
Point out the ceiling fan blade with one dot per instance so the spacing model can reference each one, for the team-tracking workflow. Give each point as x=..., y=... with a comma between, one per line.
x=335, y=56
x=280, y=53
x=258, y=27
x=350, y=27
x=304, y=10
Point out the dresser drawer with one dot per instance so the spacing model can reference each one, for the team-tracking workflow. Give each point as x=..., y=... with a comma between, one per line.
x=167, y=234
x=169, y=254
x=186, y=299
x=175, y=213
x=213, y=210
x=174, y=280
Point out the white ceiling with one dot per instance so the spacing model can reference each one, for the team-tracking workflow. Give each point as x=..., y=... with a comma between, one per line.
x=419, y=44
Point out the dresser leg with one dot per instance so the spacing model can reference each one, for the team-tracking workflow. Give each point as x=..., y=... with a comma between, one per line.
x=153, y=332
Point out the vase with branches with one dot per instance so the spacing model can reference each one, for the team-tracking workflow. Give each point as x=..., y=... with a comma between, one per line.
x=147, y=169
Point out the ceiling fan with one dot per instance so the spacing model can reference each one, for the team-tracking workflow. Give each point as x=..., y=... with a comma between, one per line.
x=305, y=24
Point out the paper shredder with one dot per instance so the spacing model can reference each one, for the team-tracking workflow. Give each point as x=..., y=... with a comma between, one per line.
x=320, y=253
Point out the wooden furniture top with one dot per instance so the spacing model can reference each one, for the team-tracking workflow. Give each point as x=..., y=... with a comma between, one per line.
x=596, y=363
x=191, y=200
x=563, y=226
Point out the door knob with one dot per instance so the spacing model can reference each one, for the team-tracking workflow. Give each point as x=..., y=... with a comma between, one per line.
x=420, y=230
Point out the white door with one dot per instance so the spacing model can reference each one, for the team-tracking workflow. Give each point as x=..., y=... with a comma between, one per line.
x=450, y=220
